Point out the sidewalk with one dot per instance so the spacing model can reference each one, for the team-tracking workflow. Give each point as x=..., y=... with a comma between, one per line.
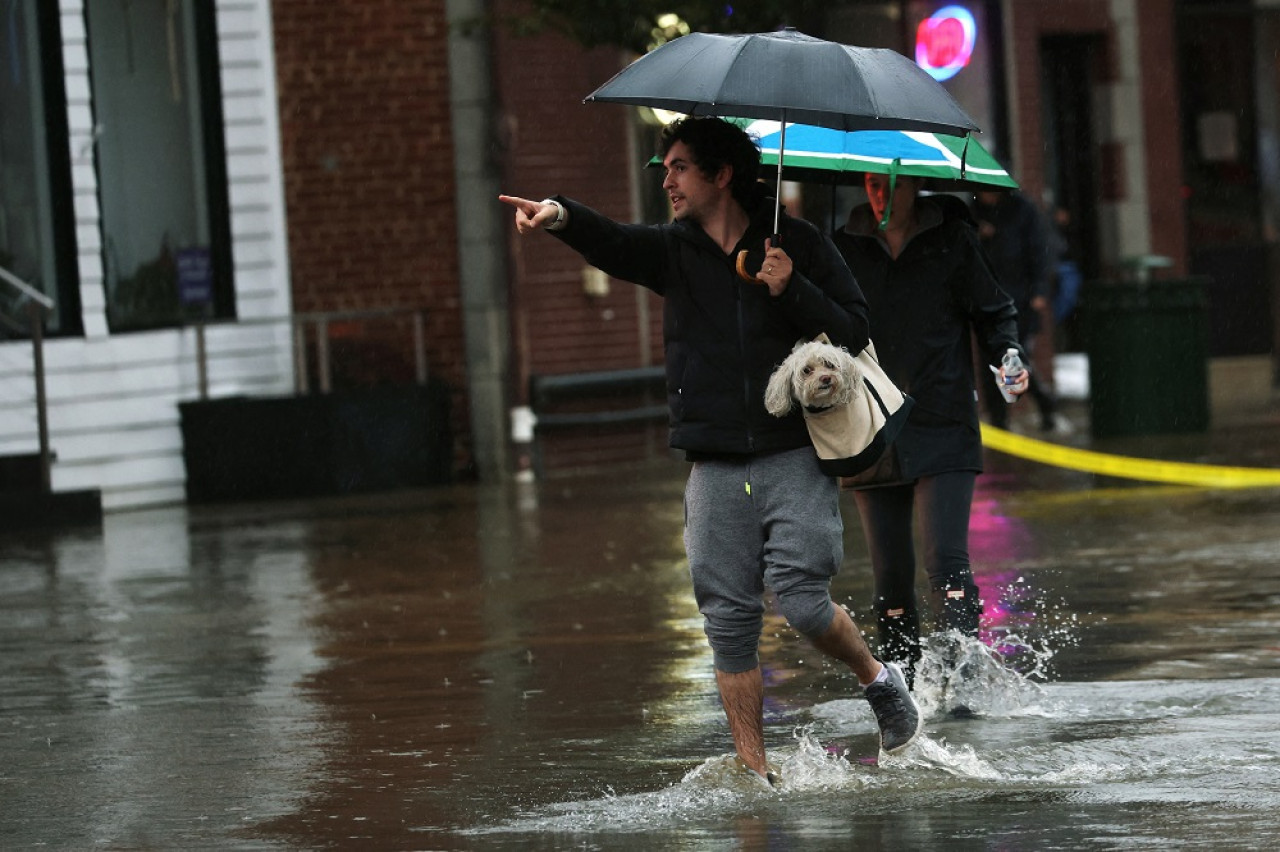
x=1239, y=388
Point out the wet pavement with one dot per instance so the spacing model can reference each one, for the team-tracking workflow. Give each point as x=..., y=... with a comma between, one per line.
x=522, y=667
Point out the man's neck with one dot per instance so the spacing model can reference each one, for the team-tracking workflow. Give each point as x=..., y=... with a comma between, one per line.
x=726, y=225
x=897, y=235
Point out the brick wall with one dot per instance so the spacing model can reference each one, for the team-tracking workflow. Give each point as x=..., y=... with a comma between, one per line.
x=553, y=143
x=1029, y=22
x=1160, y=105
x=557, y=144
x=1161, y=109
x=368, y=176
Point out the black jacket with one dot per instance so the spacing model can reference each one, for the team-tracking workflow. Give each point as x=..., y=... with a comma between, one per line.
x=723, y=335
x=925, y=305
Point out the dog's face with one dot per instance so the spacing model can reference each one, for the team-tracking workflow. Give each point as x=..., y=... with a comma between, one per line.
x=815, y=375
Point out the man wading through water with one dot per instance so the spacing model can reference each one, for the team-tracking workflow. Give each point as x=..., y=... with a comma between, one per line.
x=758, y=511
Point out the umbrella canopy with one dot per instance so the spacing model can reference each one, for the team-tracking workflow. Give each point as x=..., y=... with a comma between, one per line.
x=820, y=154
x=788, y=76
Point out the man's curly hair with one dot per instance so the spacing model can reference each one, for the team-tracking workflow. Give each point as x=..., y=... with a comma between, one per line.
x=715, y=143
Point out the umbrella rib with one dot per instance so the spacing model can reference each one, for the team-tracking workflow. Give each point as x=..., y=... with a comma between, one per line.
x=739, y=48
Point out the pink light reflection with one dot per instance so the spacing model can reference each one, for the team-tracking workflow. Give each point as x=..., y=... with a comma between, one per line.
x=999, y=545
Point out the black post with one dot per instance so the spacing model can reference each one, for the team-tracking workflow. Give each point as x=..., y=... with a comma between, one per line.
x=42, y=414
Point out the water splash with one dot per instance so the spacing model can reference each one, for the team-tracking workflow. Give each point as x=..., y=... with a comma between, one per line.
x=958, y=761
x=719, y=786
x=1024, y=629
x=959, y=675
x=1104, y=741
x=814, y=766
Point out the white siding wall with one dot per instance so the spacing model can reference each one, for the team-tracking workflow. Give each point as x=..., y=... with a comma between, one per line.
x=113, y=399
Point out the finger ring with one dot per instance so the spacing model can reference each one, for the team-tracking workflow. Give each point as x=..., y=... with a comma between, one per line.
x=769, y=269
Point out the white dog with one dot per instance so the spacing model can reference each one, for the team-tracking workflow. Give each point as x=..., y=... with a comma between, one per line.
x=853, y=411
x=815, y=376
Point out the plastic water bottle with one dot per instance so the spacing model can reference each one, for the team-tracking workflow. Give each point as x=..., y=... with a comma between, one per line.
x=1012, y=364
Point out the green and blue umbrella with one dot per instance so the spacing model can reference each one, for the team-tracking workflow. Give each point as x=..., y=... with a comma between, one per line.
x=820, y=154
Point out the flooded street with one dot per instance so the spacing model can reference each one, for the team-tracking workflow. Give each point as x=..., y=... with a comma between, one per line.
x=524, y=668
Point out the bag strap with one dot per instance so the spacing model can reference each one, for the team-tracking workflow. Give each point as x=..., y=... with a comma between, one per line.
x=884, y=409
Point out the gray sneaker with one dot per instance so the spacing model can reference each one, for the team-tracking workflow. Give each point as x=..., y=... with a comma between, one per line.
x=895, y=709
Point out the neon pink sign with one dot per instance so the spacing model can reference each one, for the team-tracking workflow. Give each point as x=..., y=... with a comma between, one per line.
x=944, y=41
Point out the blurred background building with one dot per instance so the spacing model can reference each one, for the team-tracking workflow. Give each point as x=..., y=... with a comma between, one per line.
x=255, y=200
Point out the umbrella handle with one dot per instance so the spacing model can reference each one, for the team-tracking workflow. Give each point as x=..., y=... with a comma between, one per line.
x=743, y=272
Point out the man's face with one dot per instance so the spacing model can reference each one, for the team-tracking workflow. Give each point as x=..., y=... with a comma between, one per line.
x=691, y=193
x=904, y=196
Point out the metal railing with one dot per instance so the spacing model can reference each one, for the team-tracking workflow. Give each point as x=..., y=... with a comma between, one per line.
x=38, y=305
x=320, y=323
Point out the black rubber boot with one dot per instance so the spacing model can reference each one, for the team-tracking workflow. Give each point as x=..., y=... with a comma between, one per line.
x=955, y=608
x=899, y=632
x=958, y=608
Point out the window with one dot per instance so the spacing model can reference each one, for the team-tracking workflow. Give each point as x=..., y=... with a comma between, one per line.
x=37, y=228
x=161, y=162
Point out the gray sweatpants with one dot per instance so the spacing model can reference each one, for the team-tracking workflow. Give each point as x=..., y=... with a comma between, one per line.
x=771, y=519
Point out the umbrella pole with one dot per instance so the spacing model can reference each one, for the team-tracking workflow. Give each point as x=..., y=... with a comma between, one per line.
x=893, y=187
x=777, y=191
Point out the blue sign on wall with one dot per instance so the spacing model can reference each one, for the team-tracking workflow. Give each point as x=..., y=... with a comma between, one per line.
x=195, y=276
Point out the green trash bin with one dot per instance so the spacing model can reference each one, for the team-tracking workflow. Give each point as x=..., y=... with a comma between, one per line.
x=1148, y=364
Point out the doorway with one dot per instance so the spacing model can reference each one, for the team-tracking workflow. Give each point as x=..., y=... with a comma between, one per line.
x=1067, y=75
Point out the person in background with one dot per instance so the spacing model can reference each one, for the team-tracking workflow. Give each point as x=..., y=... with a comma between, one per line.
x=1015, y=238
x=929, y=288
x=758, y=511
x=1067, y=274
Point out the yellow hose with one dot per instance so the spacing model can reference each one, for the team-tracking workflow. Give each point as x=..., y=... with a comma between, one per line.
x=1127, y=467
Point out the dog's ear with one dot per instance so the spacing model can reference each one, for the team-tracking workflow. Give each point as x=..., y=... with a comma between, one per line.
x=777, y=394
x=846, y=362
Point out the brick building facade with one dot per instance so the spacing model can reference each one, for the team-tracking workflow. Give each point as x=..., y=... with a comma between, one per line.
x=368, y=164
x=364, y=95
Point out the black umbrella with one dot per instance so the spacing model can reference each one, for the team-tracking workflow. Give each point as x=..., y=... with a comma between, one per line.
x=789, y=77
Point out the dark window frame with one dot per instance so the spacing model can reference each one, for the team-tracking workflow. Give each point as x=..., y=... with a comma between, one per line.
x=213, y=128
x=61, y=213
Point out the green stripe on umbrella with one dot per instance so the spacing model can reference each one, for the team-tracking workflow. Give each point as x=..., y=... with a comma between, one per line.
x=819, y=154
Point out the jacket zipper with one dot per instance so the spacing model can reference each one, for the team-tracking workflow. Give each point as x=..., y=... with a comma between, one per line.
x=742, y=353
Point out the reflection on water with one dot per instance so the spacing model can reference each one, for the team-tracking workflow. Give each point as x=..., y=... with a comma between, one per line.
x=1019, y=622
x=145, y=671
x=480, y=668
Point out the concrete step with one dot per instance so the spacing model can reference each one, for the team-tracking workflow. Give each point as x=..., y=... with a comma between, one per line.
x=22, y=510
